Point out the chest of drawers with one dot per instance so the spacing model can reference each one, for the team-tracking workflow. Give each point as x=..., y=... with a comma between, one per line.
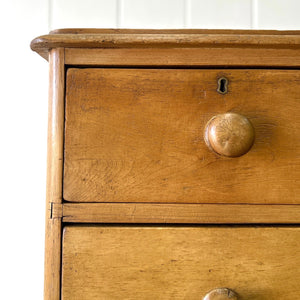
x=173, y=164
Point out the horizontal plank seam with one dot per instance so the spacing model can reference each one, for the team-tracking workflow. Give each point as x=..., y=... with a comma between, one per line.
x=174, y=203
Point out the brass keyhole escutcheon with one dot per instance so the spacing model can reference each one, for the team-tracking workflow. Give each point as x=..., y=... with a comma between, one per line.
x=222, y=85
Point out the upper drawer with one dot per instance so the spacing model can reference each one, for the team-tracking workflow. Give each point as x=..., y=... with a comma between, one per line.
x=136, y=135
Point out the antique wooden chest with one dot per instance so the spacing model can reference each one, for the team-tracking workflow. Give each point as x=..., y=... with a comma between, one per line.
x=173, y=164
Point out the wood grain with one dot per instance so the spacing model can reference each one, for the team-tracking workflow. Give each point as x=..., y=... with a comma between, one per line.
x=180, y=213
x=134, y=144
x=142, y=40
x=54, y=175
x=135, y=135
x=229, y=134
x=180, y=262
x=188, y=57
x=165, y=39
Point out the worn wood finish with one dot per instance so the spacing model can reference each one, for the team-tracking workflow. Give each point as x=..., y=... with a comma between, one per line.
x=185, y=57
x=180, y=262
x=54, y=175
x=178, y=213
x=137, y=136
x=182, y=40
x=229, y=134
x=165, y=39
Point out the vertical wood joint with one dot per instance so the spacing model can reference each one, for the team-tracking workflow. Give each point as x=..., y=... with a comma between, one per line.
x=55, y=210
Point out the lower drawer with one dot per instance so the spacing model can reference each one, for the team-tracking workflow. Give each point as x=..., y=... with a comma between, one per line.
x=182, y=262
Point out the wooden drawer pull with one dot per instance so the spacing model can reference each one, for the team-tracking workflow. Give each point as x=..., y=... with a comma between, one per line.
x=229, y=134
x=221, y=294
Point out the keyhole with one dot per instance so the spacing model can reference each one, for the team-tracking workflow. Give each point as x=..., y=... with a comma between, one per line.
x=222, y=85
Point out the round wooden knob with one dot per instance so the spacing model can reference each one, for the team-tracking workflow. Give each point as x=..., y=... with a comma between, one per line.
x=221, y=294
x=229, y=134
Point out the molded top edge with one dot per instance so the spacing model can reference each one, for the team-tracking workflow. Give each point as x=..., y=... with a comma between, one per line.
x=174, y=38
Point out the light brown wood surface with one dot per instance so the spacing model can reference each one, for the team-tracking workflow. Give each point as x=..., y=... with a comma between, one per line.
x=229, y=134
x=54, y=175
x=178, y=213
x=165, y=39
x=144, y=40
x=188, y=57
x=136, y=135
x=180, y=262
x=133, y=152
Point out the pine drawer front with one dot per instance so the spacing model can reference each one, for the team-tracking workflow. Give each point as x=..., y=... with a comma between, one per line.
x=136, y=135
x=102, y=262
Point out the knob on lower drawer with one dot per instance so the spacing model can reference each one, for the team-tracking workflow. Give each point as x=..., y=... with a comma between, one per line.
x=229, y=134
x=221, y=294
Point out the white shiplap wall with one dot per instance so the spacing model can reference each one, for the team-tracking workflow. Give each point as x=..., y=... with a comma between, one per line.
x=23, y=121
x=23, y=129
x=242, y=14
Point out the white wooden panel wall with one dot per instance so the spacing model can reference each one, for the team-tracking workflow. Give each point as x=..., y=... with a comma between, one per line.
x=243, y=14
x=23, y=131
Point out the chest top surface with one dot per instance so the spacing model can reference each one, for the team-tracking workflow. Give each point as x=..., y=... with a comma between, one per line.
x=183, y=38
